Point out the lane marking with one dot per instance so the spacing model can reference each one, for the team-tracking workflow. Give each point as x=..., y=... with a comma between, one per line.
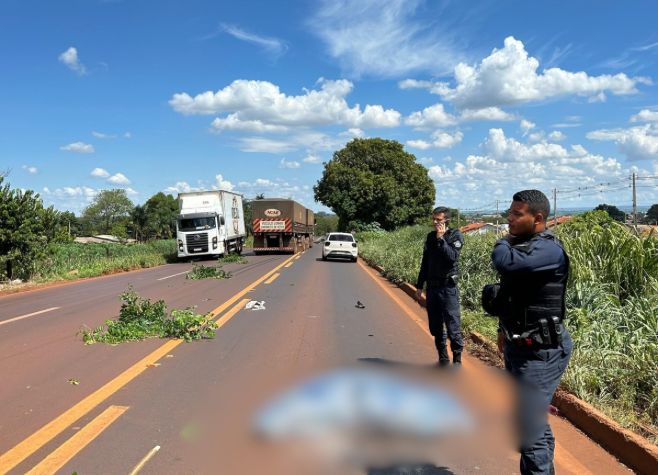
x=146, y=458
x=29, y=315
x=170, y=276
x=296, y=258
x=272, y=279
x=289, y=264
x=69, y=449
x=41, y=437
x=228, y=315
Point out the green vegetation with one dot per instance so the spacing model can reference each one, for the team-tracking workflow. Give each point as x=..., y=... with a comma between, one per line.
x=199, y=272
x=612, y=307
x=139, y=318
x=73, y=260
x=232, y=258
x=375, y=180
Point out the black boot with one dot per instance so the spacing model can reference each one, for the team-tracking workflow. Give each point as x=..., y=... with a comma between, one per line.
x=444, y=359
x=457, y=359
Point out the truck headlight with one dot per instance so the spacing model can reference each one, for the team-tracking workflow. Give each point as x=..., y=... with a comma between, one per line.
x=180, y=245
x=214, y=242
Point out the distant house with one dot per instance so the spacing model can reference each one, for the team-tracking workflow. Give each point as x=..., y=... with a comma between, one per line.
x=560, y=220
x=103, y=238
x=482, y=228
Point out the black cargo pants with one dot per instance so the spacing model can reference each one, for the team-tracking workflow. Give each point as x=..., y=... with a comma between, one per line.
x=443, y=311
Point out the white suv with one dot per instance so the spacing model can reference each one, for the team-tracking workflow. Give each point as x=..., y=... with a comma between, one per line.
x=340, y=245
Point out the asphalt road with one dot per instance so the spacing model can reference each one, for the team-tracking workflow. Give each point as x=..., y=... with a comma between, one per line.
x=165, y=406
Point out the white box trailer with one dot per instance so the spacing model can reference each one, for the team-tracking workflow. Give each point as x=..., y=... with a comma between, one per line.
x=210, y=223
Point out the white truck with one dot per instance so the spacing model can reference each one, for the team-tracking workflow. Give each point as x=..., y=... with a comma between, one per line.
x=209, y=223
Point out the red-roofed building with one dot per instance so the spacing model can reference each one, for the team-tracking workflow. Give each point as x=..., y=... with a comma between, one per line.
x=560, y=220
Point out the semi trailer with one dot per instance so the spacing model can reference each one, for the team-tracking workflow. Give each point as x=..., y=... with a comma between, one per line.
x=282, y=225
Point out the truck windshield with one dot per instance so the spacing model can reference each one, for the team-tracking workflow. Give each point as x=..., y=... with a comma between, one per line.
x=196, y=224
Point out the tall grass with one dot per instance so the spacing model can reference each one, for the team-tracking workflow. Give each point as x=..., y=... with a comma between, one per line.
x=74, y=260
x=612, y=307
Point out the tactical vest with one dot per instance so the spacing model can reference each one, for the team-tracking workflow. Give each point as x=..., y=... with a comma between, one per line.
x=534, y=302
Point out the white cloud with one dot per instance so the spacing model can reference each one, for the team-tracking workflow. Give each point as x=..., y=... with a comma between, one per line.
x=119, y=179
x=101, y=135
x=314, y=159
x=71, y=60
x=440, y=140
x=383, y=38
x=273, y=46
x=645, y=115
x=260, y=105
x=127, y=135
x=487, y=113
x=233, y=122
x=100, y=173
x=556, y=136
x=222, y=184
x=181, y=187
x=431, y=117
x=420, y=144
x=289, y=164
x=509, y=76
x=30, y=169
x=526, y=126
x=277, y=187
x=310, y=141
x=78, y=147
x=637, y=143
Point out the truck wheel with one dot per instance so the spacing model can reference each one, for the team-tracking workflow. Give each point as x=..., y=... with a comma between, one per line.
x=354, y=259
x=238, y=247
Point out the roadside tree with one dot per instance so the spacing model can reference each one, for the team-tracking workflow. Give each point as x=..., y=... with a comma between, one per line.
x=614, y=212
x=110, y=207
x=375, y=180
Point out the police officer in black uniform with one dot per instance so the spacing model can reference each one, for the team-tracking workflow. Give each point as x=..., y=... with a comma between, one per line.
x=530, y=304
x=439, y=269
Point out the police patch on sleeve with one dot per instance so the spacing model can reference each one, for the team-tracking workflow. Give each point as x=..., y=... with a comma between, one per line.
x=457, y=244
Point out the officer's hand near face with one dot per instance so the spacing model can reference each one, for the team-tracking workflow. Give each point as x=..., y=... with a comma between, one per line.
x=440, y=228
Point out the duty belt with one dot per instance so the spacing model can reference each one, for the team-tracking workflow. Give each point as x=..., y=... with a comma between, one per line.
x=442, y=282
x=547, y=333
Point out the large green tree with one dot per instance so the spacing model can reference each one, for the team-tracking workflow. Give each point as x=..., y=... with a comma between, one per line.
x=161, y=211
x=375, y=180
x=652, y=215
x=23, y=230
x=109, y=211
x=614, y=212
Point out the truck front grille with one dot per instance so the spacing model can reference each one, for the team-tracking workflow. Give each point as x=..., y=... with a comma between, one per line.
x=197, y=243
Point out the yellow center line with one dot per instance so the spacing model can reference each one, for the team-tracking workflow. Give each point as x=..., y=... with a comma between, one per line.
x=288, y=265
x=272, y=279
x=41, y=437
x=228, y=315
x=79, y=441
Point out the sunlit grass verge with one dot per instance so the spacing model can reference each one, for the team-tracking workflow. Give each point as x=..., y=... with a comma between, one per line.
x=199, y=272
x=139, y=318
x=75, y=260
x=612, y=308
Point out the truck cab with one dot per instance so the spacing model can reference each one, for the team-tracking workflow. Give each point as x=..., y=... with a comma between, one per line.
x=201, y=227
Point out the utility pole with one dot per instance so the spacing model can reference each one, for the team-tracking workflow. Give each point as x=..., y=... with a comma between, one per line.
x=457, y=223
x=634, y=202
x=497, y=215
x=555, y=207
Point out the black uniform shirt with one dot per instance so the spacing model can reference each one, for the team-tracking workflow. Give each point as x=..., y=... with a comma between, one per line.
x=440, y=257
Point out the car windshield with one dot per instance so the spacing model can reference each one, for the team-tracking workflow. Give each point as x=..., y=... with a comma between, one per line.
x=341, y=237
x=196, y=224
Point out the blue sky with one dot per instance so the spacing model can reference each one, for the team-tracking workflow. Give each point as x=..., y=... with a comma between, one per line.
x=253, y=96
